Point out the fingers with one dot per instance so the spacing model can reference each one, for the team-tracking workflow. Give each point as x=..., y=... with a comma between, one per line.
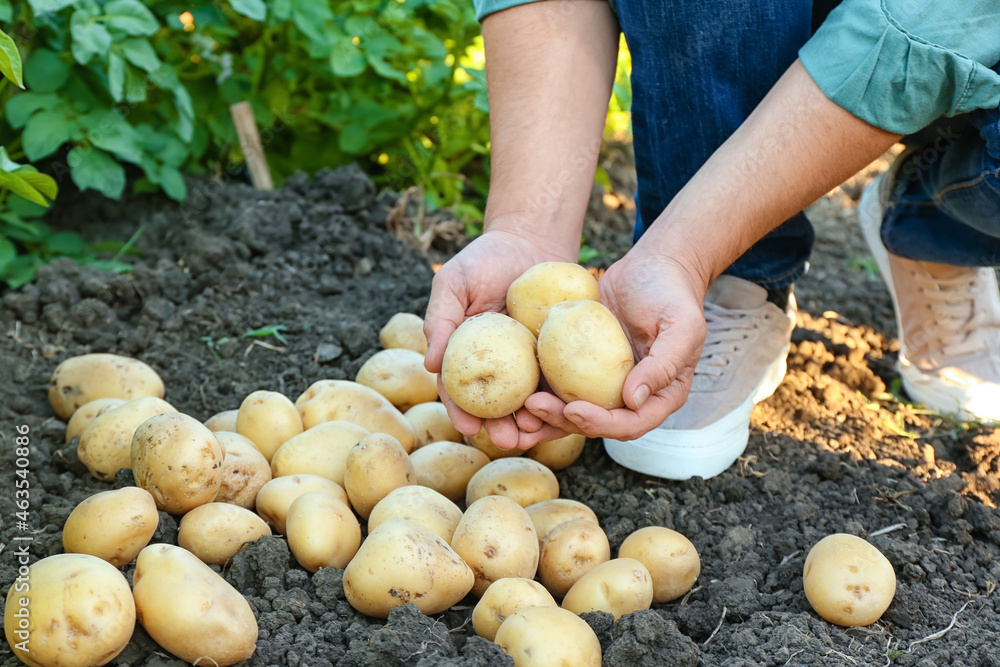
x=625, y=424
x=445, y=312
x=462, y=420
x=550, y=409
x=675, y=350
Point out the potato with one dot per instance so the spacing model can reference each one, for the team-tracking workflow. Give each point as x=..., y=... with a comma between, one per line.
x=526, y=481
x=848, y=581
x=548, y=514
x=431, y=423
x=82, y=418
x=215, y=532
x=322, y=531
x=69, y=610
x=671, y=559
x=322, y=450
x=190, y=610
x=489, y=366
x=543, y=286
x=340, y=400
x=223, y=421
x=277, y=496
x=483, y=443
x=269, y=419
x=584, y=354
x=80, y=380
x=420, y=505
x=106, y=444
x=497, y=540
x=178, y=460
x=112, y=525
x=244, y=470
x=404, y=331
x=447, y=467
x=400, y=376
x=558, y=454
x=619, y=586
x=571, y=550
x=375, y=466
x=503, y=598
x=549, y=637
x=403, y=562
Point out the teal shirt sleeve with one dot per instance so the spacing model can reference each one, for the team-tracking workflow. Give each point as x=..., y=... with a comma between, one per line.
x=901, y=64
x=486, y=7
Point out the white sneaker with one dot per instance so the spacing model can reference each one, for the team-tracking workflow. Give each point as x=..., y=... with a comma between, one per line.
x=742, y=363
x=948, y=319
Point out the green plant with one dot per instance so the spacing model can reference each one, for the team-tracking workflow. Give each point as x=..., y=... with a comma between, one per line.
x=270, y=330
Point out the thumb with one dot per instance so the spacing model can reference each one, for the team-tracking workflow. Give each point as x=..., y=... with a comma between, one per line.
x=445, y=312
x=673, y=354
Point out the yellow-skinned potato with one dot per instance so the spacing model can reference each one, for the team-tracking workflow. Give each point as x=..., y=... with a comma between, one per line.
x=75, y=611
x=223, y=421
x=322, y=531
x=431, y=423
x=404, y=562
x=82, y=418
x=322, y=450
x=584, y=354
x=400, y=376
x=571, y=550
x=404, y=331
x=489, y=366
x=483, y=443
x=215, y=532
x=619, y=586
x=548, y=514
x=277, y=496
x=178, y=461
x=244, y=470
x=106, y=444
x=503, y=598
x=112, y=525
x=558, y=454
x=420, y=505
x=375, y=466
x=543, y=286
x=269, y=419
x=671, y=558
x=447, y=467
x=497, y=540
x=340, y=400
x=80, y=380
x=549, y=637
x=848, y=581
x=526, y=481
x=190, y=610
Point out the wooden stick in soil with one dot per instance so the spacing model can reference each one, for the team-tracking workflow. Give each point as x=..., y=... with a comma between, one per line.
x=253, y=149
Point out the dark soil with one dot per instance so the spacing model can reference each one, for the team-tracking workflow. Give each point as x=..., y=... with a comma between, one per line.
x=833, y=451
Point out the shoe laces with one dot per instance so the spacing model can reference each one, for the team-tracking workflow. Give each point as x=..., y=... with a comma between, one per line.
x=728, y=332
x=955, y=322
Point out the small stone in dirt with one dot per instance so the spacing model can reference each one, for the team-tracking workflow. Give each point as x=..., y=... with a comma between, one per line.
x=330, y=285
x=644, y=638
x=327, y=352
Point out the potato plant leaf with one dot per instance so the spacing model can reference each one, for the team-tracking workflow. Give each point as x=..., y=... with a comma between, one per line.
x=10, y=60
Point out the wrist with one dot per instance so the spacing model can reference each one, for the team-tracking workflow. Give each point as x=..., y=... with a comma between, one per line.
x=543, y=234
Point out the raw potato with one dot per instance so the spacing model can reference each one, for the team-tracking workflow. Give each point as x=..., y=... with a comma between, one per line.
x=322, y=450
x=375, y=466
x=82, y=418
x=215, y=532
x=548, y=514
x=190, y=610
x=77, y=611
x=619, y=587
x=558, y=454
x=420, y=505
x=526, y=481
x=106, y=444
x=112, y=525
x=549, y=637
x=268, y=419
x=340, y=400
x=80, y=380
x=431, y=423
x=848, y=581
x=400, y=376
x=244, y=470
x=404, y=331
x=497, y=540
x=277, y=496
x=543, y=286
x=489, y=366
x=322, y=531
x=503, y=598
x=447, y=467
x=178, y=460
x=403, y=562
x=671, y=559
x=570, y=551
x=483, y=443
x=223, y=421
x=584, y=354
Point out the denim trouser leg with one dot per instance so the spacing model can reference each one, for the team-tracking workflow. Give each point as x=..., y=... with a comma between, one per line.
x=699, y=67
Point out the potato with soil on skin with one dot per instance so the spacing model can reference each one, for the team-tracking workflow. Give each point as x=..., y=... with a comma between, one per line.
x=83, y=417
x=178, y=461
x=525, y=481
x=447, y=467
x=420, y=505
x=76, y=611
x=269, y=420
x=340, y=400
x=671, y=558
x=322, y=531
x=190, y=610
x=619, y=586
x=489, y=367
x=80, y=380
x=483, y=443
x=503, y=598
x=848, y=581
x=569, y=551
x=112, y=525
x=431, y=423
x=549, y=637
x=322, y=450
x=584, y=354
x=400, y=376
x=215, y=532
x=106, y=445
x=530, y=297
x=375, y=466
x=223, y=421
x=402, y=562
x=548, y=514
x=496, y=538
x=277, y=496
x=558, y=454
x=404, y=331
x=244, y=470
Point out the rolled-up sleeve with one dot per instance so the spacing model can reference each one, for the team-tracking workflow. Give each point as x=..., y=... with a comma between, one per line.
x=901, y=64
x=486, y=7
